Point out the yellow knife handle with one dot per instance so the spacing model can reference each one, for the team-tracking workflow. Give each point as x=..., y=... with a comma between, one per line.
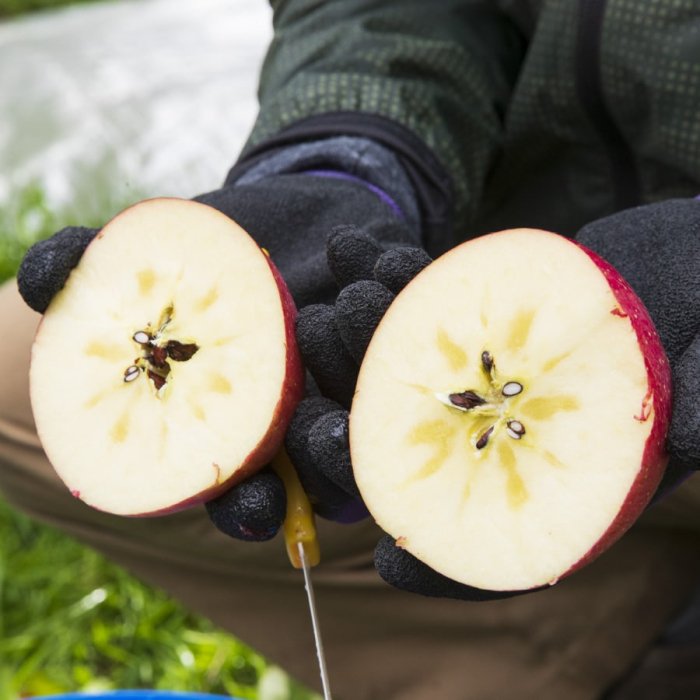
x=299, y=526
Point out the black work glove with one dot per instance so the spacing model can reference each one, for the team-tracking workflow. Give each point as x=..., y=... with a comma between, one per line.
x=656, y=248
x=332, y=340
x=289, y=215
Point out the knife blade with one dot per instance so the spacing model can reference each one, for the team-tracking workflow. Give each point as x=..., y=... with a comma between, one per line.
x=302, y=548
x=314, y=623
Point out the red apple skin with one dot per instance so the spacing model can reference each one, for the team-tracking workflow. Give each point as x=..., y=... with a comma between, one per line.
x=270, y=443
x=659, y=395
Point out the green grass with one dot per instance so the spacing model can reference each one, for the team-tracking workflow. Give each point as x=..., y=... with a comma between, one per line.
x=69, y=619
x=12, y=8
x=25, y=219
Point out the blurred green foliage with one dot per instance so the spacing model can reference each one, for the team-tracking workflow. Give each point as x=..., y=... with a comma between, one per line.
x=10, y=8
x=24, y=219
x=72, y=621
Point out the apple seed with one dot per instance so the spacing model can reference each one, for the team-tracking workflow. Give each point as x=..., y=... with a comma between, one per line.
x=484, y=439
x=131, y=373
x=158, y=357
x=487, y=362
x=515, y=429
x=512, y=389
x=466, y=400
x=180, y=352
x=157, y=379
x=142, y=338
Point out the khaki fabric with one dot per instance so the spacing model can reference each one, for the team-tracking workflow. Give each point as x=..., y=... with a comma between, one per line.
x=568, y=642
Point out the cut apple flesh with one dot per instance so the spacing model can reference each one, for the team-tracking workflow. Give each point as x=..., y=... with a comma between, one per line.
x=505, y=426
x=166, y=368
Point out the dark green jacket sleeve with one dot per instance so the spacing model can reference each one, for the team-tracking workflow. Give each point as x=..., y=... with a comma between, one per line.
x=430, y=74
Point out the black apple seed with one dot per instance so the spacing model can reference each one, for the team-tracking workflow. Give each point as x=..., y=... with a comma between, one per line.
x=180, y=352
x=466, y=400
x=157, y=379
x=487, y=361
x=484, y=439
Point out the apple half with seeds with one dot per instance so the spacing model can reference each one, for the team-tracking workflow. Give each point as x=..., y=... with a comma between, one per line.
x=511, y=411
x=166, y=370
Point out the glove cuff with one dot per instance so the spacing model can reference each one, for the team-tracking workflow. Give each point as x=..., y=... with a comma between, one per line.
x=359, y=159
x=429, y=184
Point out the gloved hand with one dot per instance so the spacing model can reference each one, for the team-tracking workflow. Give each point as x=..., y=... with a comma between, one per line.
x=289, y=215
x=333, y=340
x=656, y=248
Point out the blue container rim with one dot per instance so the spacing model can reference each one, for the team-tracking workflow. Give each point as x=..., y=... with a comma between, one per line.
x=136, y=695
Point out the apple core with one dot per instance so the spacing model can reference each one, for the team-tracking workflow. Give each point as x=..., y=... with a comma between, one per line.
x=157, y=351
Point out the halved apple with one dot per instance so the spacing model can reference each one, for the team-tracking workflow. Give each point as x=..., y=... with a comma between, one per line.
x=166, y=369
x=511, y=411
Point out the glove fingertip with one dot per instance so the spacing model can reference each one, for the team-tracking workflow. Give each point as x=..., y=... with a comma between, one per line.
x=351, y=254
x=329, y=498
x=358, y=311
x=398, y=266
x=329, y=449
x=324, y=353
x=400, y=569
x=253, y=510
x=307, y=412
x=47, y=264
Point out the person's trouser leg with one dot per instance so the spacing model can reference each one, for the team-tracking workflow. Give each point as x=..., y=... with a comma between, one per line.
x=571, y=641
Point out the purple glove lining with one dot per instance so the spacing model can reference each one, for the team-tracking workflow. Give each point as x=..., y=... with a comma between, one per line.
x=352, y=512
x=339, y=175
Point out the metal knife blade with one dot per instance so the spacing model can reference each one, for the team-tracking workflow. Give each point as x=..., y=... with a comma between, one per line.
x=314, y=622
x=302, y=547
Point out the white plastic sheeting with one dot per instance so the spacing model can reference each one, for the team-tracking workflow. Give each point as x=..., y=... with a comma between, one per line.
x=116, y=101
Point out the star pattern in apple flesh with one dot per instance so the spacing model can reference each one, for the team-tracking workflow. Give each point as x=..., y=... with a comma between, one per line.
x=489, y=404
x=157, y=352
x=486, y=410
